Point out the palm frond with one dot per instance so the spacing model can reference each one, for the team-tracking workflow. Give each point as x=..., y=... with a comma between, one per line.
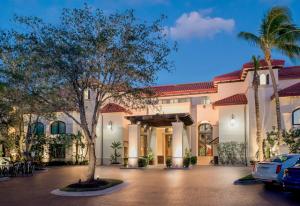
x=289, y=49
x=251, y=38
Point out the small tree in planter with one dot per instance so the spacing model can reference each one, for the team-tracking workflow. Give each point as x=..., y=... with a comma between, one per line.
x=150, y=156
x=187, y=158
x=142, y=162
x=194, y=160
x=115, y=145
x=169, y=162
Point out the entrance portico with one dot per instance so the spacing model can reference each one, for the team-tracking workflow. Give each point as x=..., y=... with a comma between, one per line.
x=164, y=135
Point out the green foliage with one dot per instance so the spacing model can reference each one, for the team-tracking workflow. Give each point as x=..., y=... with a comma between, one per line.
x=187, y=158
x=292, y=139
x=194, y=160
x=231, y=153
x=169, y=162
x=142, y=162
x=150, y=156
x=116, y=145
x=277, y=31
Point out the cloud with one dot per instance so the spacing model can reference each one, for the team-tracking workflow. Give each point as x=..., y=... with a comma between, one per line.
x=198, y=24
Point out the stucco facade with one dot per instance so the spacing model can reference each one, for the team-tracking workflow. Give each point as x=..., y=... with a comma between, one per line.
x=225, y=106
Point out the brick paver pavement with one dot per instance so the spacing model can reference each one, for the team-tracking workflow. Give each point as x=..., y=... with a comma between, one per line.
x=204, y=185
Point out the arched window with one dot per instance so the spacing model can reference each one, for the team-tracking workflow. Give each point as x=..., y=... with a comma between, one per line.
x=268, y=79
x=296, y=117
x=58, y=127
x=262, y=79
x=205, y=138
x=37, y=128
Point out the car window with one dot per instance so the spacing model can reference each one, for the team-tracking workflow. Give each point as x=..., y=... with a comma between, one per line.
x=281, y=159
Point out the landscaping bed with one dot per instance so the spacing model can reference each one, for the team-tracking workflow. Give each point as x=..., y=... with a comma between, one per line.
x=246, y=180
x=95, y=185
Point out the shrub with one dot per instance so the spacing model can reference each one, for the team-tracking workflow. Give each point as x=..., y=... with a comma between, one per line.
x=231, y=153
x=169, y=162
x=150, y=157
x=186, y=162
x=125, y=161
x=194, y=160
x=142, y=162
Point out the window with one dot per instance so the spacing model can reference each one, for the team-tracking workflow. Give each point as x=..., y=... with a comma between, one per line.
x=182, y=100
x=37, y=128
x=87, y=94
x=268, y=79
x=58, y=127
x=262, y=79
x=205, y=139
x=204, y=100
x=296, y=117
x=57, y=151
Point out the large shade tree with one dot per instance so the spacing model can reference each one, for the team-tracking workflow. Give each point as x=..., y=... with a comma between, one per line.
x=116, y=55
x=276, y=32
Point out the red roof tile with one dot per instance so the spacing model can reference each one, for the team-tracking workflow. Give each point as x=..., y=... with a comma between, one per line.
x=289, y=73
x=236, y=99
x=185, y=89
x=232, y=76
x=290, y=91
x=112, y=107
x=263, y=63
x=241, y=74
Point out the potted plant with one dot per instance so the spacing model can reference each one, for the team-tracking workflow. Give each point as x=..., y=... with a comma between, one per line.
x=194, y=160
x=169, y=162
x=150, y=157
x=115, y=145
x=142, y=162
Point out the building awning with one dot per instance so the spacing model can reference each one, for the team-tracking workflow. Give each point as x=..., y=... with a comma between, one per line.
x=161, y=120
x=290, y=91
x=237, y=99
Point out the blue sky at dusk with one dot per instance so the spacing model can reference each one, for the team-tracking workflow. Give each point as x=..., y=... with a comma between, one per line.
x=205, y=30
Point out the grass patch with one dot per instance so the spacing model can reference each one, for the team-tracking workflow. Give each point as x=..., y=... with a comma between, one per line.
x=246, y=178
x=99, y=184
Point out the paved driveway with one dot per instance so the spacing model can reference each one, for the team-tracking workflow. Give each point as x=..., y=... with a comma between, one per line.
x=199, y=186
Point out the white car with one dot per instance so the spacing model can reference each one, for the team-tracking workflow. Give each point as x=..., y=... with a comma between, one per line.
x=272, y=171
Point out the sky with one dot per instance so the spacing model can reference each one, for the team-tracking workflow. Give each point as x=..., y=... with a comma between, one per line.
x=205, y=30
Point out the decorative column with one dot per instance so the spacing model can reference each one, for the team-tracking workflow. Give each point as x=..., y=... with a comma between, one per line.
x=177, y=144
x=133, y=144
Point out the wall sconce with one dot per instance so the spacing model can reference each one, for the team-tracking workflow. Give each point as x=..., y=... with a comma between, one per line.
x=110, y=124
x=232, y=121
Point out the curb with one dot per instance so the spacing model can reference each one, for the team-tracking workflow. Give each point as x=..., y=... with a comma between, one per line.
x=107, y=191
x=246, y=182
x=3, y=179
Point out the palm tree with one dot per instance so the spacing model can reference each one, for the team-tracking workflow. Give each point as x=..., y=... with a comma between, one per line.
x=255, y=84
x=276, y=31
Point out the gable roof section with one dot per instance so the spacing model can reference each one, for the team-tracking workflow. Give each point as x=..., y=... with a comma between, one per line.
x=289, y=73
x=112, y=108
x=237, y=99
x=290, y=91
x=185, y=89
x=241, y=74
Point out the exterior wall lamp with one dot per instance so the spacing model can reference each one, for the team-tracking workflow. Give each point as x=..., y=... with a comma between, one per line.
x=232, y=121
x=110, y=124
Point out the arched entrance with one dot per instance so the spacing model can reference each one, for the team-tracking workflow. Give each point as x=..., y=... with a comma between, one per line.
x=205, y=140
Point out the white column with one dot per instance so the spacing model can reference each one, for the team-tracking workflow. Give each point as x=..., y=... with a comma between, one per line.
x=133, y=144
x=177, y=144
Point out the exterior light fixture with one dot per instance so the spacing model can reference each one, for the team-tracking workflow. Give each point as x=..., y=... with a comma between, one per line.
x=110, y=124
x=232, y=121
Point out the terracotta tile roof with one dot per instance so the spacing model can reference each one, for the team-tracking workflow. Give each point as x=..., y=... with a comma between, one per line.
x=241, y=74
x=263, y=63
x=112, y=107
x=289, y=73
x=232, y=76
x=185, y=89
x=290, y=91
x=236, y=99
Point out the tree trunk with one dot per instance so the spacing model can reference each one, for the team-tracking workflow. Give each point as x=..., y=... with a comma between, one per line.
x=258, y=120
x=275, y=88
x=92, y=162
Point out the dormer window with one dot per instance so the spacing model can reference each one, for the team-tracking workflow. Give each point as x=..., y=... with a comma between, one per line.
x=264, y=79
x=87, y=94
